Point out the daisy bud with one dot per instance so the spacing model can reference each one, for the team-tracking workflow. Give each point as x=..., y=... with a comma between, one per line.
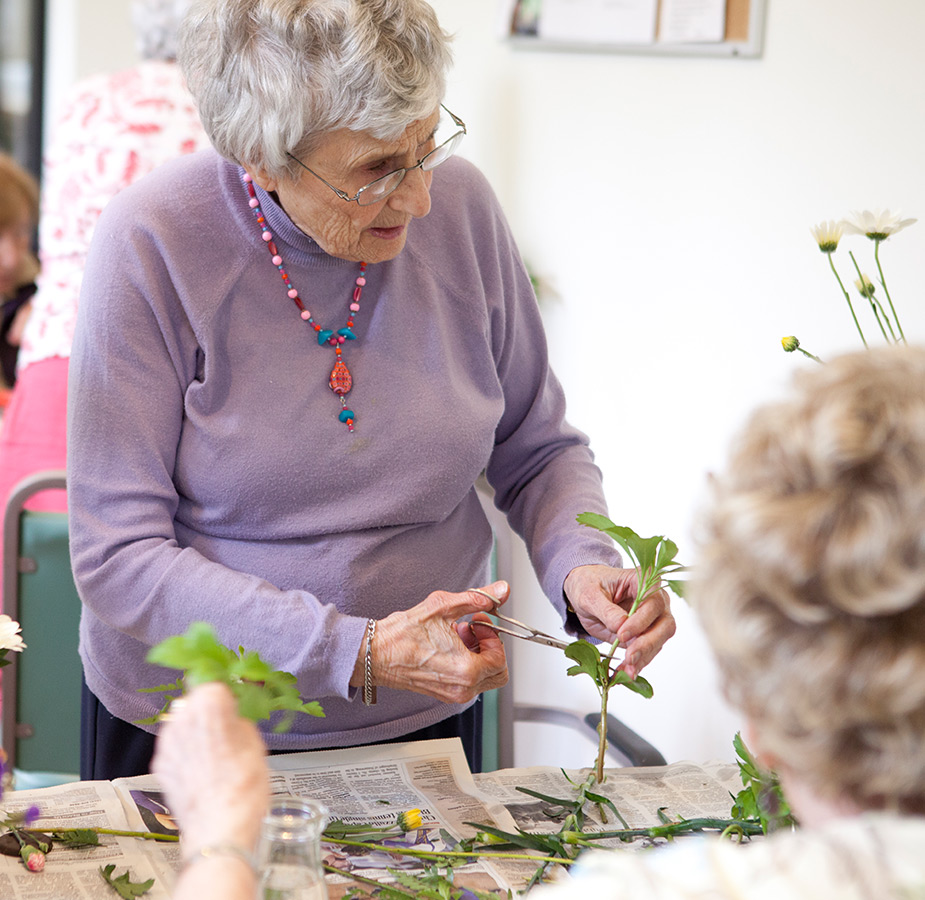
x=409, y=820
x=865, y=287
x=483, y=837
x=789, y=343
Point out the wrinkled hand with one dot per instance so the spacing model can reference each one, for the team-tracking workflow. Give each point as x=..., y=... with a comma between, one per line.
x=212, y=766
x=601, y=596
x=427, y=650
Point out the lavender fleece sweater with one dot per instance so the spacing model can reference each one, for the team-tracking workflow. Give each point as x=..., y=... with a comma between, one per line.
x=210, y=479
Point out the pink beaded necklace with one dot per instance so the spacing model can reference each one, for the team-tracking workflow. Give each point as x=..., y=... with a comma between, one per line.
x=341, y=381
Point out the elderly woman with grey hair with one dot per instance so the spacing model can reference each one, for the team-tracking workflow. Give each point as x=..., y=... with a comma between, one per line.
x=294, y=357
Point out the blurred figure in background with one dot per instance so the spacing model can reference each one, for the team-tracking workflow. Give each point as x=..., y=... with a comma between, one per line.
x=112, y=129
x=19, y=211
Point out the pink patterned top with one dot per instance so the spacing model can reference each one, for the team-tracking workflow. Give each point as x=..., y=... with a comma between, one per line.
x=114, y=129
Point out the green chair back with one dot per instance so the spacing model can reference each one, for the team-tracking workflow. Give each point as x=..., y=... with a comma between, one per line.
x=41, y=689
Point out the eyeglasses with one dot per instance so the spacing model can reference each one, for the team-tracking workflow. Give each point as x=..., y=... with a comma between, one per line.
x=381, y=188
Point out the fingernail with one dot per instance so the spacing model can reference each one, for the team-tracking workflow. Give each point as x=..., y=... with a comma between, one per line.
x=498, y=590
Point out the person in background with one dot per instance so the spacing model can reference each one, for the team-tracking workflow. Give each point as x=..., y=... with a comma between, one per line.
x=295, y=356
x=19, y=210
x=112, y=129
x=810, y=585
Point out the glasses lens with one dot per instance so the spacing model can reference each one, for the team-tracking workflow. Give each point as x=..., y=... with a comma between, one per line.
x=442, y=153
x=380, y=188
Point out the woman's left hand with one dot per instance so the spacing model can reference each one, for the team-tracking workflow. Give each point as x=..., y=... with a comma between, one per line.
x=601, y=597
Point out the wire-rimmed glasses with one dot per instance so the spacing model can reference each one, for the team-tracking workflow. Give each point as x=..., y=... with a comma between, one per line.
x=381, y=188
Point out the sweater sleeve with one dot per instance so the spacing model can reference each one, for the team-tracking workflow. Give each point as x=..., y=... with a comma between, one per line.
x=134, y=356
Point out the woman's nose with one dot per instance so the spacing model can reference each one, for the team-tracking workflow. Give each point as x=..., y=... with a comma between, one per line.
x=413, y=194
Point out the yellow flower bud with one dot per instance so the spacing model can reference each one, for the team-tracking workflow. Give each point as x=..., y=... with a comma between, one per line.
x=409, y=820
x=789, y=343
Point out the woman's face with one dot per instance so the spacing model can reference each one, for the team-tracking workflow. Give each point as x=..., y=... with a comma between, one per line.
x=350, y=160
x=15, y=240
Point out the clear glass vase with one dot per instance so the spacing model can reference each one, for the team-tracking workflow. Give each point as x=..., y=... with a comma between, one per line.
x=289, y=850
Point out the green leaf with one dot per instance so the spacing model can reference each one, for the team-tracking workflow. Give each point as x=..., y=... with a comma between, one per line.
x=77, y=837
x=260, y=690
x=122, y=885
x=587, y=657
x=637, y=685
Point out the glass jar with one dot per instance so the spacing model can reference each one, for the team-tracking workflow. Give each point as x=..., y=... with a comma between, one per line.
x=289, y=850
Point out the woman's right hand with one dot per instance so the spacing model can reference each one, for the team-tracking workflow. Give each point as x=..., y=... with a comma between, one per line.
x=426, y=649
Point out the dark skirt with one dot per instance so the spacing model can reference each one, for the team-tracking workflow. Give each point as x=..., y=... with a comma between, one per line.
x=112, y=748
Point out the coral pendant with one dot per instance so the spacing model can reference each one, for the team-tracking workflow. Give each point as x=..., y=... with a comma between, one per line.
x=341, y=380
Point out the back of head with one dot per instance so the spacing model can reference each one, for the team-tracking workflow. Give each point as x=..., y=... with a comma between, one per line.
x=272, y=77
x=19, y=193
x=811, y=582
x=156, y=24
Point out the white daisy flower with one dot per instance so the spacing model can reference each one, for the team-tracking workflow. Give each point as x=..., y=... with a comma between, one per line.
x=10, y=638
x=878, y=226
x=828, y=234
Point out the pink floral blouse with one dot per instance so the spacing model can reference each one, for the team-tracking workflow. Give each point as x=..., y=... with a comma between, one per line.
x=114, y=128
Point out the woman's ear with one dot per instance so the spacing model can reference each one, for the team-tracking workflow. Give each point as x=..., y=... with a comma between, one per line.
x=263, y=179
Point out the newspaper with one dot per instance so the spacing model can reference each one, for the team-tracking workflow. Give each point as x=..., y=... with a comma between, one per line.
x=73, y=873
x=367, y=785
x=683, y=790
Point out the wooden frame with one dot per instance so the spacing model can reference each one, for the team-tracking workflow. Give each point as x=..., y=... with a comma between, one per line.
x=744, y=38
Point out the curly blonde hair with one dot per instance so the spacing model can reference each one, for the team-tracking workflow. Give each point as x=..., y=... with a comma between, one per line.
x=811, y=581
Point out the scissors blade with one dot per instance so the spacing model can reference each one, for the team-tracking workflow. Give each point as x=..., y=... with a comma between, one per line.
x=534, y=637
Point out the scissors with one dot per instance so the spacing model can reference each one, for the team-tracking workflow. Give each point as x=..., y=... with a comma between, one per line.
x=525, y=632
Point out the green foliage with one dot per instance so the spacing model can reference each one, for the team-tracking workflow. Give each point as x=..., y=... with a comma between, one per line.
x=77, y=837
x=653, y=557
x=125, y=888
x=762, y=797
x=589, y=661
x=259, y=688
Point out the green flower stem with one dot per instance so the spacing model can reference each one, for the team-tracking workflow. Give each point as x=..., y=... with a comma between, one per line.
x=447, y=854
x=875, y=304
x=645, y=586
x=886, y=290
x=682, y=827
x=848, y=298
x=810, y=355
x=144, y=835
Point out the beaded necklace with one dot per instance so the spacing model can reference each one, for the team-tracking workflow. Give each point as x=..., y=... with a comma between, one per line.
x=341, y=381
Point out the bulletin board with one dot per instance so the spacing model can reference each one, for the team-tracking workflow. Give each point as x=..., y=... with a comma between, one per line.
x=730, y=28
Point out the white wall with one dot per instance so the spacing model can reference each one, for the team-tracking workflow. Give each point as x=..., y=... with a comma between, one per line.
x=666, y=202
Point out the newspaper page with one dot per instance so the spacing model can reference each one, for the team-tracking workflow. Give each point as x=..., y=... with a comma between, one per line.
x=72, y=873
x=371, y=785
x=683, y=790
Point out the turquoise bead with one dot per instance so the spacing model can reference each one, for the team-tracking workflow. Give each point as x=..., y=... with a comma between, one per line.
x=324, y=336
x=346, y=414
x=347, y=333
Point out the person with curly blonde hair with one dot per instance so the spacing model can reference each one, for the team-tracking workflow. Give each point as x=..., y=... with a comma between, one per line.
x=810, y=586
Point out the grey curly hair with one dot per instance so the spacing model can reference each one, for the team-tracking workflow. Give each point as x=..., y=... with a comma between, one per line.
x=271, y=77
x=811, y=582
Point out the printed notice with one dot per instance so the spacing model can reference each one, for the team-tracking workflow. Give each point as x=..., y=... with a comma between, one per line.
x=692, y=21
x=598, y=21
